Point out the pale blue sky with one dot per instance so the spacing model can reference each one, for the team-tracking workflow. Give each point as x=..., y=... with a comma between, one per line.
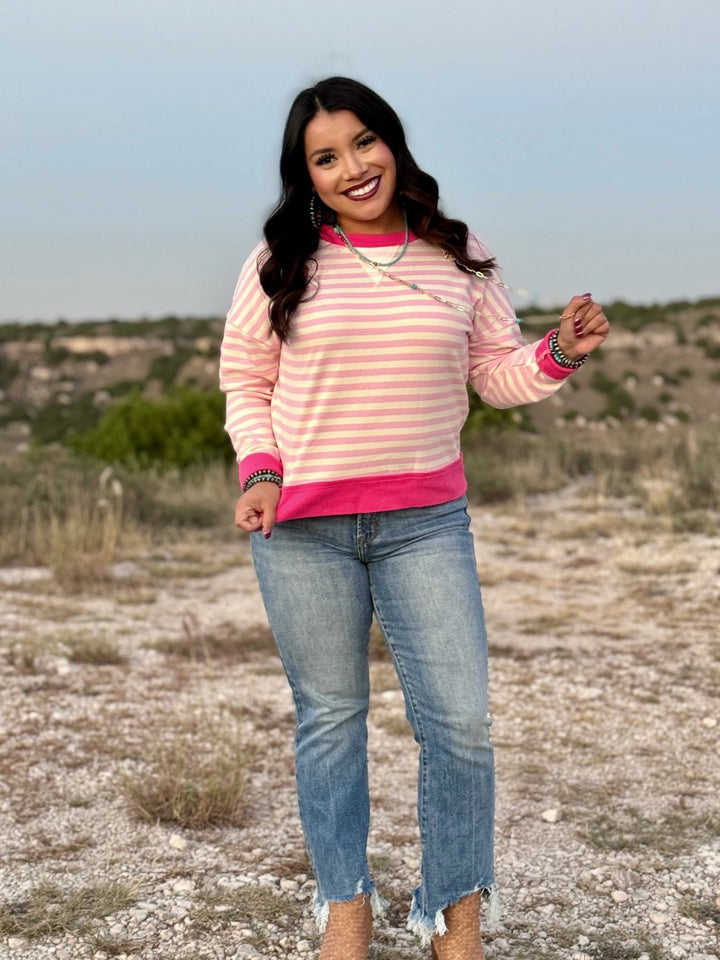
x=139, y=139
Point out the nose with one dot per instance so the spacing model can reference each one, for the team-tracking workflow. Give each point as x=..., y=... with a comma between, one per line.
x=354, y=166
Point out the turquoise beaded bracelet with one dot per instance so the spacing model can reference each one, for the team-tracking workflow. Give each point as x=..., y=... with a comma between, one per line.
x=559, y=357
x=262, y=476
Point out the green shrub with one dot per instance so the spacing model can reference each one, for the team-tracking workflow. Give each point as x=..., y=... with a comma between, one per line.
x=710, y=347
x=708, y=319
x=634, y=317
x=17, y=410
x=483, y=417
x=649, y=412
x=53, y=422
x=8, y=370
x=183, y=426
x=618, y=402
x=166, y=369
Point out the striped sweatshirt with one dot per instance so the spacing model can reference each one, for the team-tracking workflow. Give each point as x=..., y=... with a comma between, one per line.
x=360, y=410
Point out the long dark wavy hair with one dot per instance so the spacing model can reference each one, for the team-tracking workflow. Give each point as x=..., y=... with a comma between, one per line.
x=287, y=267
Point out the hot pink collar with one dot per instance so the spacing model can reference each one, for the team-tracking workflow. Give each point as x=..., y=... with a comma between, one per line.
x=365, y=239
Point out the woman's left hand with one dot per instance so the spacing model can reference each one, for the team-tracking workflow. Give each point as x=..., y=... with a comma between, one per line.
x=583, y=327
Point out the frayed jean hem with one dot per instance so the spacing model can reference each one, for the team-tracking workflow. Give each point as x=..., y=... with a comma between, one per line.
x=426, y=927
x=321, y=907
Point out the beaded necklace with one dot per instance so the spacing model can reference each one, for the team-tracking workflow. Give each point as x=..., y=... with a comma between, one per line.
x=461, y=307
x=375, y=263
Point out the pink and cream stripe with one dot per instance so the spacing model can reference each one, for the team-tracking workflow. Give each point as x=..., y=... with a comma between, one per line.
x=361, y=409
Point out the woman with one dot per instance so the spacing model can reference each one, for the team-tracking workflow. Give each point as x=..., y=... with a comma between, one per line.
x=353, y=332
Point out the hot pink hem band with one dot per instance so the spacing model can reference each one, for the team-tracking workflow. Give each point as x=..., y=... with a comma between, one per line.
x=372, y=494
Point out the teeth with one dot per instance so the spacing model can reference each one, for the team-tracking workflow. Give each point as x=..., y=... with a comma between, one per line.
x=361, y=191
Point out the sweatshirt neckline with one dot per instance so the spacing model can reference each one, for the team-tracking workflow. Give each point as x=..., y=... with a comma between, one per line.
x=366, y=239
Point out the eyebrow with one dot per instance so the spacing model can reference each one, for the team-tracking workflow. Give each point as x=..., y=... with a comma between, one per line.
x=330, y=149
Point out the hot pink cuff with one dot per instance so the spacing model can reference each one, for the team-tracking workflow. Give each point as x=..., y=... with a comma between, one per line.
x=546, y=362
x=257, y=461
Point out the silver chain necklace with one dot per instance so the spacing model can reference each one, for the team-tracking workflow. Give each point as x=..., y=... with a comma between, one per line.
x=461, y=307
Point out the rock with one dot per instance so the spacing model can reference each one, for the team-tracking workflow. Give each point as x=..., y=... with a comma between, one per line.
x=184, y=885
x=16, y=943
x=551, y=816
x=709, y=722
x=619, y=896
x=289, y=886
x=177, y=842
x=659, y=918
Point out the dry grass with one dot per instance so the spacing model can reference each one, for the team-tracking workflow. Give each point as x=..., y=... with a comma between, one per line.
x=192, y=773
x=225, y=641
x=26, y=653
x=669, y=836
x=251, y=906
x=94, y=649
x=614, y=463
x=50, y=909
x=702, y=911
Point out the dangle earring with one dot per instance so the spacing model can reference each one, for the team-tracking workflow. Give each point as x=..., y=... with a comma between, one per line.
x=316, y=215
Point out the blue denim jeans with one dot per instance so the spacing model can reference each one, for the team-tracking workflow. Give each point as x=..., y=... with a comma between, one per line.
x=321, y=580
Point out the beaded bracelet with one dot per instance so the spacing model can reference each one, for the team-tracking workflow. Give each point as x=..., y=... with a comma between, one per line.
x=262, y=476
x=559, y=357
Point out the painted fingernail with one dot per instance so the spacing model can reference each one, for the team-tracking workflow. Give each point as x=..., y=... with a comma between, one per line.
x=586, y=296
x=267, y=534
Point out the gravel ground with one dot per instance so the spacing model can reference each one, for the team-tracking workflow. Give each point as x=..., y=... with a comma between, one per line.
x=605, y=680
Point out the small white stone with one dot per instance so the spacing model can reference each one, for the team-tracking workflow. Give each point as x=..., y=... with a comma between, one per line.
x=583, y=941
x=551, y=816
x=659, y=918
x=619, y=896
x=177, y=842
x=183, y=885
x=581, y=956
x=304, y=946
x=709, y=722
x=15, y=943
x=290, y=886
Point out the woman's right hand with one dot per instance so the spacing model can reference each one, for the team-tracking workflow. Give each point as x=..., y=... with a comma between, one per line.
x=255, y=510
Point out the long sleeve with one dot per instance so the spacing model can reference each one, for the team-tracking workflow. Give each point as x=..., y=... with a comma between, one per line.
x=249, y=360
x=502, y=370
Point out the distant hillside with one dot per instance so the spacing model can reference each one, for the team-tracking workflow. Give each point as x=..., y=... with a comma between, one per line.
x=661, y=365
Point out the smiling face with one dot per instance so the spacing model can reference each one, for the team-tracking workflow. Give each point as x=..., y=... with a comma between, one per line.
x=353, y=172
